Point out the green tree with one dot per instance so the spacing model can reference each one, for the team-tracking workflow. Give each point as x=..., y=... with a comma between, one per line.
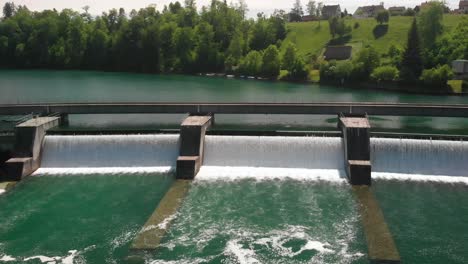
x=293, y=63
x=271, y=63
x=252, y=64
x=411, y=64
x=76, y=42
x=382, y=16
x=206, y=50
x=184, y=47
x=366, y=60
x=430, y=23
x=311, y=8
x=385, y=73
x=437, y=77
x=338, y=27
x=9, y=9
x=296, y=12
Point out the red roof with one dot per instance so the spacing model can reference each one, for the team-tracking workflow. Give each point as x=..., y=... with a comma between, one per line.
x=463, y=3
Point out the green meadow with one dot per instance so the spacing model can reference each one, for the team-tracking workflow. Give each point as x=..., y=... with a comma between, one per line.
x=312, y=37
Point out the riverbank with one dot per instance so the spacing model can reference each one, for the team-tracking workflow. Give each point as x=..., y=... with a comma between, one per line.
x=411, y=88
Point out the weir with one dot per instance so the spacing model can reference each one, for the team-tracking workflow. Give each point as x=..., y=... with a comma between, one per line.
x=190, y=154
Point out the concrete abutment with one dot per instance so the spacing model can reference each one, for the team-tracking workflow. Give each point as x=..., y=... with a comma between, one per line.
x=27, y=151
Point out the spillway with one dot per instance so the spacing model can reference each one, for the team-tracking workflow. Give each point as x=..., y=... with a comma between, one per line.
x=260, y=157
x=109, y=153
x=415, y=159
x=232, y=157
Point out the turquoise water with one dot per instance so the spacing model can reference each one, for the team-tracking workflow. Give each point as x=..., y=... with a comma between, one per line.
x=429, y=221
x=96, y=215
x=82, y=86
x=250, y=221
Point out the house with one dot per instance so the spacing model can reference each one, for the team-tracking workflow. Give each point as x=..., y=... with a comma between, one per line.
x=460, y=68
x=397, y=10
x=331, y=11
x=368, y=11
x=337, y=53
x=463, y=6
x=308, y=18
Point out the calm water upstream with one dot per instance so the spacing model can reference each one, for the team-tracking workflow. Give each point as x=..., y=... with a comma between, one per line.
x=80, y=86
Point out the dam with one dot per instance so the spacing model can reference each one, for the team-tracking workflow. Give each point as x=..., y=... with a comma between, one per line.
x=270, y=180
x=310, y=171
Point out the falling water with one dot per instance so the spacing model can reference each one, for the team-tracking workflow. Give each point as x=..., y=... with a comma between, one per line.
x=109, y=154
x=230, y=157
x=420, y=159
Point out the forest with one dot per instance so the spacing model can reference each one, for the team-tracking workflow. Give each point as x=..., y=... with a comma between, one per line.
x=178, y=39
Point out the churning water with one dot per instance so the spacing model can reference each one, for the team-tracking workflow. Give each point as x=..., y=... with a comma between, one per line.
x=234, y=211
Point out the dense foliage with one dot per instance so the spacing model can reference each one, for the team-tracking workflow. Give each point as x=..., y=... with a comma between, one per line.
x=411, y=64
x=382, y=16
x=178, y=39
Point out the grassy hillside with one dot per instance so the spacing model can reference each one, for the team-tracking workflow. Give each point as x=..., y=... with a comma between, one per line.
x=311, y=39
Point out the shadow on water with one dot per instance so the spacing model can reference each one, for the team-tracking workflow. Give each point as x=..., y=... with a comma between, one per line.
x=380, y=31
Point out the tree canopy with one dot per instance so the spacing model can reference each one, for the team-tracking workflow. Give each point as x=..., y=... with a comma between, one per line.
x=176, y=39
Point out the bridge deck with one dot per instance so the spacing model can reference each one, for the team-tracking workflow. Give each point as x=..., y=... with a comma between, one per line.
x=387, y=109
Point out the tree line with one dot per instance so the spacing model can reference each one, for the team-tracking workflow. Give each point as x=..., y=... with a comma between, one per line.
x=424, y=61
x=178, y=39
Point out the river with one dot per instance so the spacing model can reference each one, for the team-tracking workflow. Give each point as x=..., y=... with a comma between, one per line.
x=40, y=86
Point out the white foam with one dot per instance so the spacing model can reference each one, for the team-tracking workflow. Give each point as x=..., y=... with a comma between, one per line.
x=419, y=177
x=68, y=259
x=103, y=170
x=2, y=191
x=315, y=245
x=43, y=259
x=219, y=173
x=242, y=255
x=6, y=258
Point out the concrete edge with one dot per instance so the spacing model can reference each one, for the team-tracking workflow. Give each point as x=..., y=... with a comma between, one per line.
x=156, y=227
x=380, y=243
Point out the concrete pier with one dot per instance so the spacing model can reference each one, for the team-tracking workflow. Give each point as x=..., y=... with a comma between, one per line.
x=356, y=139
x=380, y=244
x=192, y=142
x=28, y=147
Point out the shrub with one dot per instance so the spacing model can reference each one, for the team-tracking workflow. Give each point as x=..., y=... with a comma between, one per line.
x=271, y=62
x=251, y=64
x=369, y=58
x=382, y=16
x=437, y=76
x=385, y=73
x=343, y=70
x=356, y=25
x=327, y=70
